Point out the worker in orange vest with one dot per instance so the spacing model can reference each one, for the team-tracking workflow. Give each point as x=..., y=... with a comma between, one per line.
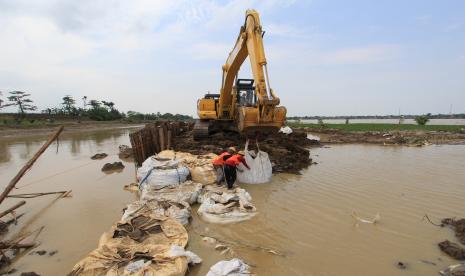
x=218, y=164
x=230, y=167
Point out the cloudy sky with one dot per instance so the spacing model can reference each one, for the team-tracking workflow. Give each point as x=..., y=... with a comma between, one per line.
x=324, y=57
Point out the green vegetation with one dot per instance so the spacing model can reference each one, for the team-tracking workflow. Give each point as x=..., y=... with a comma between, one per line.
x=93, y=110
x=422, y=120
x=381, y=127
x=21, y=100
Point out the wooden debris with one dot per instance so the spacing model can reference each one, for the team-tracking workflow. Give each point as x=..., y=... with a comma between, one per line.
x=29, y=164
x=156, y=137
x=12, y=208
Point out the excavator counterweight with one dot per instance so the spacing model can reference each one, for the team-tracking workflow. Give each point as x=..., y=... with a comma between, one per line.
x=243, y=105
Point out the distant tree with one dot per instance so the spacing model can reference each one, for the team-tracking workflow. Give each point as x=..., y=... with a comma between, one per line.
x=1, y=100
x=84, y=102
x=110, y=105
x=422, y=120
x=21, y=99
x=94, y=103
x=68, y=104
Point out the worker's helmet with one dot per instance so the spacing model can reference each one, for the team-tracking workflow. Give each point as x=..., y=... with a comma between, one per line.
x=232, y=149
x=241, y=152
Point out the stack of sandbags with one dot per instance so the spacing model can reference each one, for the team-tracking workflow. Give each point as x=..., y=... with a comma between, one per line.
x=141, y=244
x=200, y=166
x=159, y=172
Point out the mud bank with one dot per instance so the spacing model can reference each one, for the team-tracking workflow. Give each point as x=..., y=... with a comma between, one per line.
x=403, y=137
x=288, y=153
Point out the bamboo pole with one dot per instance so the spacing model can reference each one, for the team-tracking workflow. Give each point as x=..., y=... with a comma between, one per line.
x=28, y=165
x=12, y=208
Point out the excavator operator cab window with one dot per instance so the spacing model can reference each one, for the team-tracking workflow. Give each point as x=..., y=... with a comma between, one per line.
x=246, y=92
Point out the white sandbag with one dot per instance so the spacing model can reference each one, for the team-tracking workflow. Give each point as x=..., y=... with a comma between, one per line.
x=260, y=171
x=222, y=206
x=286, y=130
x=205, y=174
x=160, y=172
x=180, y=211
x=233, y=267
x=178, y=251
x=186, y=192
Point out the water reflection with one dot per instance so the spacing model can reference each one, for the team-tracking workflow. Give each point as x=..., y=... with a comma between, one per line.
x=25, y=147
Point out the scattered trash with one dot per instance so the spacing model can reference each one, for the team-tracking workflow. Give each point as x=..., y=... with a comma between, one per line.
x=220, y=205
x=454, y=270
x=233, y=267
x=428, y=262
x=286, y=130
x=38, y=252
x=98, y=156
x=209, y=240
x=178, y=251
x=372, y=221
x=125, y=152
x=132, y=187
x=260, y=167
x=401, y=265
x=115, y=166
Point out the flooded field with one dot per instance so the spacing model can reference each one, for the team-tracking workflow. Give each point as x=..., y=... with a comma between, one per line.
x=306, y=217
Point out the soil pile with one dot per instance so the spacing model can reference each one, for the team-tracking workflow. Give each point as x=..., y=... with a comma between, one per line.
x=402, y=137
x=450, y=248
x=288, y=152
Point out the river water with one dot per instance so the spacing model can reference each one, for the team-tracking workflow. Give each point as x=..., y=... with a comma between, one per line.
x=306, y=217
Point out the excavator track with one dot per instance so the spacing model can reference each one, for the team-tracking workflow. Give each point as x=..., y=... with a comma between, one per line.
x=201, y=129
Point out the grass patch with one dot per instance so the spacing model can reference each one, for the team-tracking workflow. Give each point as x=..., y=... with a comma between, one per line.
x=381, y=127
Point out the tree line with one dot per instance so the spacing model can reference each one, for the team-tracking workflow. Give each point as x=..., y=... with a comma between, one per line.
x=98, y=110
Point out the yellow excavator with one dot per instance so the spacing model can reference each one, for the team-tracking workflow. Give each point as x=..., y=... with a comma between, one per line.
x=247, y=106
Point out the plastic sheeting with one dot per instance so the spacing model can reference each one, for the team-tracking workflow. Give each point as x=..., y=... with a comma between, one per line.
x=286, y=130
x=260, y=171
x=233, y=267
x=159, y=172
x=220, y=205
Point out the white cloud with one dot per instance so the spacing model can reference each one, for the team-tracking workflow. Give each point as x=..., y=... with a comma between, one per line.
x=361, y=55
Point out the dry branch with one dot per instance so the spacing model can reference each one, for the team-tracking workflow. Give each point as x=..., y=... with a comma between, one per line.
x=28, y=165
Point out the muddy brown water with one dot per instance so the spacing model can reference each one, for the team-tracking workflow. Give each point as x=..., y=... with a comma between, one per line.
x=307, y=217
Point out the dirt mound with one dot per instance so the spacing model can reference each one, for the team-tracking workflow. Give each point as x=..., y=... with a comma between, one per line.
x=450, y=248
x=458, y=226
x=288, y=153
x=111, y=167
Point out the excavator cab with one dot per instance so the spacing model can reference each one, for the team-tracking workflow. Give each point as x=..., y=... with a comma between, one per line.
x=245, y=93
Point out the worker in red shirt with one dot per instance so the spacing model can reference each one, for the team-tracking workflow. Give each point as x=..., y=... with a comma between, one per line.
x=218, y=164
x=230, y=167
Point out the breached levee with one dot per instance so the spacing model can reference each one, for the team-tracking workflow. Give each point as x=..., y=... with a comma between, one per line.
x=151, y=237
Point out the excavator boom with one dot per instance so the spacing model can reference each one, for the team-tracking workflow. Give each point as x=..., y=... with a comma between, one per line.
x=244, y=105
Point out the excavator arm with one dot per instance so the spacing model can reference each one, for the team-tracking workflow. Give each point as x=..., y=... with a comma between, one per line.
x=249, y=43
x=241, y=106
